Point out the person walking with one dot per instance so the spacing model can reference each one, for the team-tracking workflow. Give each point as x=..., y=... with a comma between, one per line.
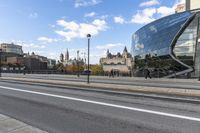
x=147, y=73
x=112, y=73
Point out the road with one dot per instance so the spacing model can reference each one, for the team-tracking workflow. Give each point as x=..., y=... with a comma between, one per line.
x=168, y=83
x=75, y=111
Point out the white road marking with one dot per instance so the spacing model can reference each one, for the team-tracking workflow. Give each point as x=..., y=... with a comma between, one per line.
x=106, y=104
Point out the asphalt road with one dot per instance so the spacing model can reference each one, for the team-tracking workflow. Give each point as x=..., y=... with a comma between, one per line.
x=74, y=111
x=106, y=80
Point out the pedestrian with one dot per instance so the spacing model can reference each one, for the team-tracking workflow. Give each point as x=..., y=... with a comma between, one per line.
x=24, y=70
x=112, y=73
x=147, y=73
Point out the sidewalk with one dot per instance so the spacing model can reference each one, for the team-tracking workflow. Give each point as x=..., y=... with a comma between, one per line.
x=102, y=77
x=10, y=125
x=117, y=87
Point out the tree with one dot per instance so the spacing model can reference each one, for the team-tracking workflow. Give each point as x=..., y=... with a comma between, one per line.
x=97, y=69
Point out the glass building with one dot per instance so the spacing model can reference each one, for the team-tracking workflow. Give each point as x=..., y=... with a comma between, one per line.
x=169, y=46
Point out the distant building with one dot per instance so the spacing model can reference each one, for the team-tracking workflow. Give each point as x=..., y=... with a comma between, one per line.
x=65, y=60
x=35, y=62
x=180, y=8
x=120, y=62
x=67, y=55
x=31, y=62
x=61, y=58
x=11, y=48
x=51, y=63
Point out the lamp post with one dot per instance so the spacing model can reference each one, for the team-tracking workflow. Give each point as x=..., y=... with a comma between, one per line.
x=198, y=43
x=88, y=67
x=78, y=74
x=0, y=61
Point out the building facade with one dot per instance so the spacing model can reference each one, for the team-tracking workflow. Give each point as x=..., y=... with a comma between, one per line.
x=11, y=48
x=180, y=8
x=31, y=62
x=169, y=46
x=121, y=63
x=51, y=63
x=192, y=4
x=65, y=60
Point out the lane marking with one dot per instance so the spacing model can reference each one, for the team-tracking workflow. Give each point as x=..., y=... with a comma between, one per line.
x=106, y=104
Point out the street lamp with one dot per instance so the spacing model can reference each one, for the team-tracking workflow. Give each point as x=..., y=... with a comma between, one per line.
x=88, y=67
x=198, y=41
x=0, y=61
x=78, y=74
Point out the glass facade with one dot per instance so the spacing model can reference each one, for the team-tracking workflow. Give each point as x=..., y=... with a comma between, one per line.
x=166, y=46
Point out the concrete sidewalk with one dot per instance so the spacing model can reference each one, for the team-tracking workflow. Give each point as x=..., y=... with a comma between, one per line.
x=10, y=125
x=117, y=87
x=101, y=77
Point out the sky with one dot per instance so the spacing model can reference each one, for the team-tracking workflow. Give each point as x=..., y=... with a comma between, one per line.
x=50, y=27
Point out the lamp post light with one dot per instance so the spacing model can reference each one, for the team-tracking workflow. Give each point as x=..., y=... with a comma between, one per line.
x=88, y=67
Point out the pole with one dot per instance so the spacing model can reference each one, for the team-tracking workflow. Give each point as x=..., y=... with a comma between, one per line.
x=78, y=63
x=0, y=62
x=88, y=69
x=198, y=46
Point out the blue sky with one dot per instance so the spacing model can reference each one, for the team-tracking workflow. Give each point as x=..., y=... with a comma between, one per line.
x=49, y=27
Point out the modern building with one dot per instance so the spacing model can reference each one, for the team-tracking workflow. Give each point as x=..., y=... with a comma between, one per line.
x=169, y=46
x=121, y=63
x=11, y=48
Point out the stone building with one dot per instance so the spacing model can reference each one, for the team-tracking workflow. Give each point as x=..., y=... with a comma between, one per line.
x=121, y=63
x=32, y=62
x=65, y=60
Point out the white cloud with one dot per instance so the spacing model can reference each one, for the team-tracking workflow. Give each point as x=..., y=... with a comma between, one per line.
x=164, y=11
x=148, y=15
x=145, y=16
x=109, y=46
x=33, y=15
x=149, y=3
x=47, y=40
x=68, y=25
x=31, y=46
x=119, y=20
x=85, y=3
x=80, y=30
x=91, y=14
